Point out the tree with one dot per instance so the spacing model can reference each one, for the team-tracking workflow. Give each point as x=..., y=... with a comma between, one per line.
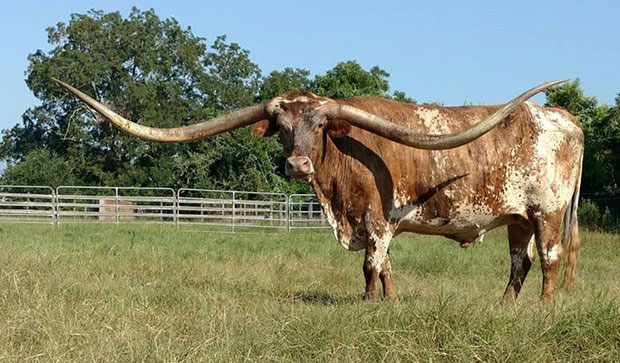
x=608, y=140
x=349, y=79
x=601, y=126
x=346, y=79
x=280, y=82
x=147, y=69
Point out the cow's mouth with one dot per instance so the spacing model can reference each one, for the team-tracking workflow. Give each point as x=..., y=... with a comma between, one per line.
x=300, y=175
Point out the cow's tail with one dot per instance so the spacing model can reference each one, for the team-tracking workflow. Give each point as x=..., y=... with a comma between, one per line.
x=570, y=237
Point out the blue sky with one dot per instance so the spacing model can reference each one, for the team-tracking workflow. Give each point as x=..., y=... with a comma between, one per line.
x=453, y=52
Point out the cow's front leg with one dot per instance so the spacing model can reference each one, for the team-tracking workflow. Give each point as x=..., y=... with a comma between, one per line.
x=370, y=274
x=377, y=264
x=387, y=280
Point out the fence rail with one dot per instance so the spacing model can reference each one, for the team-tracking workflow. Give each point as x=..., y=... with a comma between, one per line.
x=185, y=208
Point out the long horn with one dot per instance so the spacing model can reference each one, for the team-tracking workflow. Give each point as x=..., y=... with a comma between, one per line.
x=406, y=136
x=242, y=117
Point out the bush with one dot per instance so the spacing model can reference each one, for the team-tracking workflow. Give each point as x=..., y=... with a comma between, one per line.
x=608, y=221
x=589, y=214
x=41, y=167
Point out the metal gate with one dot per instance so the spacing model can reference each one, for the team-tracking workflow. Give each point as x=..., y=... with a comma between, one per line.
x=80, y=204
x=231, y=210
x=27, y=204
x=305, y=212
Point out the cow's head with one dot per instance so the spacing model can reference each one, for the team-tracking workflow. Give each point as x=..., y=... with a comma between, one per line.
x=303, y=121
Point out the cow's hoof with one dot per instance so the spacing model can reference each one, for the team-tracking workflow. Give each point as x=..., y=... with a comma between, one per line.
x=392, y=298
x=368, y=297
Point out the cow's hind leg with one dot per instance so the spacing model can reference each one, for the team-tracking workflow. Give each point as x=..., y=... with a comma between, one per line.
x=548, y=241
x=519, y=236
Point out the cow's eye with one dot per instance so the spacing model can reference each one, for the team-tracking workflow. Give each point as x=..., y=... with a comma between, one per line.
x=321, y=124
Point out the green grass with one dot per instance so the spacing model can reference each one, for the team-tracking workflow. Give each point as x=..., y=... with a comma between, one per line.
x=139, y=293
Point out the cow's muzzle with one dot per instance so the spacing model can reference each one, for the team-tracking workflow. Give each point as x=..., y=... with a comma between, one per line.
x=299, y=167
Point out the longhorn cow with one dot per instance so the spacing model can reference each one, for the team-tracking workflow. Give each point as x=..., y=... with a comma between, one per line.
x=381, y=167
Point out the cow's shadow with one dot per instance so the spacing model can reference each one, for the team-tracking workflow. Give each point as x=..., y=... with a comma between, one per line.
x=323, y=298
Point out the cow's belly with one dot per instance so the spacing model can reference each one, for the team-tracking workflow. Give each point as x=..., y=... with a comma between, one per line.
x=464, y=225
x=440, y=227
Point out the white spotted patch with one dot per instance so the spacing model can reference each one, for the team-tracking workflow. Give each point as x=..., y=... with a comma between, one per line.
x=382, y=243
x=408, y=212
x=542, y=182
x=302, y=99
x=433, y=120
x=531, y=249
x=553, y=253
x=479, y=215
x=331, y=219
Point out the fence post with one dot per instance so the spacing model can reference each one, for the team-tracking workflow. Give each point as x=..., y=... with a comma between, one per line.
x=233, y=213
x=56, y=203
x=54, y=209
x=175, y=208
x=287, y=207
x=116, y=208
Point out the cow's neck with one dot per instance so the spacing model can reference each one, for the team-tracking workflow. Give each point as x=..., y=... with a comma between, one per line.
x=330, y=177
x=329, y=174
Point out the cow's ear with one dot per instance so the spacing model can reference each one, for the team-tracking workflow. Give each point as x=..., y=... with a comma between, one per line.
x=265, y=128
x=338, y=128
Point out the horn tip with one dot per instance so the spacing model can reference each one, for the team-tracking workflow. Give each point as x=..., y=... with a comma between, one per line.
x=65, y=85
x=559, y=81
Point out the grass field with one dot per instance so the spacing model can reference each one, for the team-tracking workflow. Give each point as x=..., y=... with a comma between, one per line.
x=139, y=293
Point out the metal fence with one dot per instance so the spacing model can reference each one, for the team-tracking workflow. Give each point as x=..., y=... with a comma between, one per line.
x=304, y=211
x=197, y=209
x=27, y=204
x=78, y=204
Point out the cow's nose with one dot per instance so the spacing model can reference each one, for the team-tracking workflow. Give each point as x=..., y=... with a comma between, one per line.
x=299, y=167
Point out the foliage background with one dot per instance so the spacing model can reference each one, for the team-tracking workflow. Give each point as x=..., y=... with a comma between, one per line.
x=152, y=70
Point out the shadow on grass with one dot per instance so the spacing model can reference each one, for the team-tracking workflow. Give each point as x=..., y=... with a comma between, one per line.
x=322, y=298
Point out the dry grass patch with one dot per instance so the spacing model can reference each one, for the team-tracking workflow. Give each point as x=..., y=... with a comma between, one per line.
x=138, y=293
